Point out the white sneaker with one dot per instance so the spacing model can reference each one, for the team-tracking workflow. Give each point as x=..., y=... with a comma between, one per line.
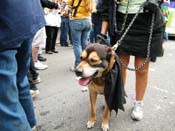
x=137, y=112
x=84, y=89
x=39, y=66
x=34, y=91
x=34, y=128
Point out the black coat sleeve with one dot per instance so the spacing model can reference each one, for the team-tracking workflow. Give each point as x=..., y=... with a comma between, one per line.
x=109, y=15
x=106, y=9
x=114, y=89
x=49, y=4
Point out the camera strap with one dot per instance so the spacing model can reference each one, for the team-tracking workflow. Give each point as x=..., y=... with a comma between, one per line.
x=75, y=7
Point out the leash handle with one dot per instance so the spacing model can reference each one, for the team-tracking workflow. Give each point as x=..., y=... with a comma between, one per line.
x=114, y=48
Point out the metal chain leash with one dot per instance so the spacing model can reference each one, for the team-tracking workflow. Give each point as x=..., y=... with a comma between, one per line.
x=149, y=42
x=125, y=18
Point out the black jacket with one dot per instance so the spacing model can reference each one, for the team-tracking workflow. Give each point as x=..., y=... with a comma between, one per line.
x=114, y=89
x=49, y=4
x=108, y=13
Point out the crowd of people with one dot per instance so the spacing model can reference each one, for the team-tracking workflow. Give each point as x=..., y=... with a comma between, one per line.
x=23, y=40
x=57, y=19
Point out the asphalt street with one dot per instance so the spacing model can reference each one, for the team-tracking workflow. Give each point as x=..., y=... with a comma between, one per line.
x=62, y=106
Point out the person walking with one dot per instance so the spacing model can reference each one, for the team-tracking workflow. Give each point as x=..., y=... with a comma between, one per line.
x=19, y=21
x=142, y=39
x=64, y=24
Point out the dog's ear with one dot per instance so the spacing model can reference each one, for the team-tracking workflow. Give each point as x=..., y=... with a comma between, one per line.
x=83, y=55
x=111, y=58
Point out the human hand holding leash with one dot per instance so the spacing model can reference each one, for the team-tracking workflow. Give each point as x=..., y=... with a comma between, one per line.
x=101, y=38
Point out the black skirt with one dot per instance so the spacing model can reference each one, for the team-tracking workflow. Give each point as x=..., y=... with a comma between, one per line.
x=136, y=40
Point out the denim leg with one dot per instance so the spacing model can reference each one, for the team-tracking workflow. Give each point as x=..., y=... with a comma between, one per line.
x=92, y=35
x=85, y=34
x=79, y=32
x=64, y=31
x=23, y=61
x=76, y=40
x=97, y=29
x=12, y=114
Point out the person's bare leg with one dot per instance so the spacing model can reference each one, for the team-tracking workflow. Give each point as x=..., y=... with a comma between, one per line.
x=35, y=53
x=125, y=59
x=141, y=78
x=141, y=84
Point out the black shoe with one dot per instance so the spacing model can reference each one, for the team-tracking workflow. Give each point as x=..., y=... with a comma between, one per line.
x=41, y=58
x=35, y=80
x=48, y=52
x=153, y=59
x=54, y=51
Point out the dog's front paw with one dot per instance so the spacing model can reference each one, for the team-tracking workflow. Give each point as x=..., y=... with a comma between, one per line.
x=90, y=124
x=105, y=127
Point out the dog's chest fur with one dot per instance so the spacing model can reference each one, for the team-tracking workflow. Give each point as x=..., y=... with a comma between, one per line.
x=97, y=85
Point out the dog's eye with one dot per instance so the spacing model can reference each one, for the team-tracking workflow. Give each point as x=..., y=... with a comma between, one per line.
x=81, y=58
x=93, y=60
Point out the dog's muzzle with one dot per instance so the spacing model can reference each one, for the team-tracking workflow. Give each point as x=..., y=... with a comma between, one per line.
x=79, y=72
x=84, y=81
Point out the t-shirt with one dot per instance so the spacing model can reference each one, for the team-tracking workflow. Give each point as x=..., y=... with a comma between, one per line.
x=82, y=12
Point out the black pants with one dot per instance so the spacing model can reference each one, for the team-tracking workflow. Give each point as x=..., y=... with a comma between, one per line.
x=32, y=74
x=51, y=33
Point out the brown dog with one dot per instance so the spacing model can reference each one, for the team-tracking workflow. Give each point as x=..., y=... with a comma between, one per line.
x=96, y=61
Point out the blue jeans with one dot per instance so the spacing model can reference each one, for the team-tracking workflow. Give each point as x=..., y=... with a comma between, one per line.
x=92, y=35
x=64, y=31
x=16, y=106
x=80, y=30
x=97, y=29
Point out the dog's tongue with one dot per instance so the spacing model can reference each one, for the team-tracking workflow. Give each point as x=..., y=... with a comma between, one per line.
x=84, y=81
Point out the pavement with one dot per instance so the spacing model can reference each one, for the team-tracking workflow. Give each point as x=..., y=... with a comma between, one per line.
x=62, y=106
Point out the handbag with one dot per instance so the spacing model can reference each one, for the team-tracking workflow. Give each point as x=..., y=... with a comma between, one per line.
x=53, y=19
x=152, y=5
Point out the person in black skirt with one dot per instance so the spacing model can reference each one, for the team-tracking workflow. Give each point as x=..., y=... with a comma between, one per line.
x=136, y=41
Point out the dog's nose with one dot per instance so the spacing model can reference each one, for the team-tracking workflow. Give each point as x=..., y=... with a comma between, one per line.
x=78, y=72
